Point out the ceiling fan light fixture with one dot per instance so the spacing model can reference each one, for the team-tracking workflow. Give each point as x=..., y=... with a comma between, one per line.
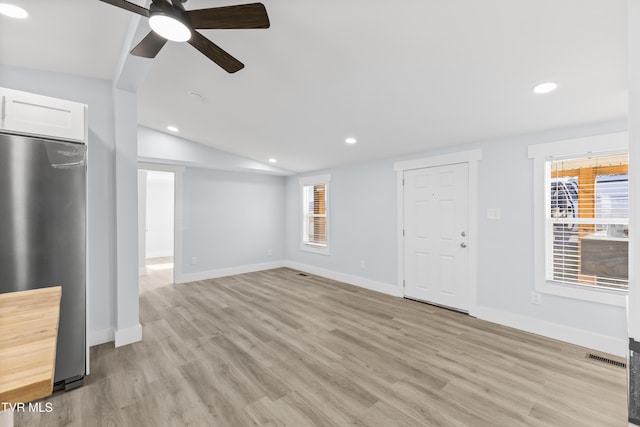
x=169, y=27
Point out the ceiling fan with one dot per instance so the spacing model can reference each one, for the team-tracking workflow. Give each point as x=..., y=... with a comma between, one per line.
x=170, y=21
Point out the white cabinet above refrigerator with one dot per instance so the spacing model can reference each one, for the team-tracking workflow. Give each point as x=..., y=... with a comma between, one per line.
x=30, y=114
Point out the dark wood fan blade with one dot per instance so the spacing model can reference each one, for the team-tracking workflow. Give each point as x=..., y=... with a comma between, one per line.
x=242, y=16
x=128, y=6
x=149, y=46
x=215, y=53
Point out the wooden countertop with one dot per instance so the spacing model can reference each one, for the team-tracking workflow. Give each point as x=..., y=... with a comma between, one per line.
x=28, y=335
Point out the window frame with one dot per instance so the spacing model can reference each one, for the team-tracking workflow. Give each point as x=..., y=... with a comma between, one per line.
x=308, y=181
x=540, y=154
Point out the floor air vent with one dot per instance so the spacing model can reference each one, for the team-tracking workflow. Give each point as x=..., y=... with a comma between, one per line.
x=606, y=360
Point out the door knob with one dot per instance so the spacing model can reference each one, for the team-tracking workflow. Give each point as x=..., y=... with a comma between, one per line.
x=463, y=234
x=463, y=245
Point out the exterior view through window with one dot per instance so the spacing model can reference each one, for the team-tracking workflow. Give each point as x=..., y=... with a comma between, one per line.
x=315, y=215
x=587, y=214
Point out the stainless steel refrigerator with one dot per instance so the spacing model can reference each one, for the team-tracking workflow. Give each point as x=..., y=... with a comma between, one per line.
x=43, y=235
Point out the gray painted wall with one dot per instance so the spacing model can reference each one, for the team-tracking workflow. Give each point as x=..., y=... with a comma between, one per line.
x=231, y=219
x=142, y=221
x=128, y=328
x=363, y=227
x=505, y=264
x=233, y=210
x=98, y=95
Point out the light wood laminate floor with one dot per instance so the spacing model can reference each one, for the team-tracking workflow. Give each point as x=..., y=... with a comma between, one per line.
x=275, y=348
x=159, y=273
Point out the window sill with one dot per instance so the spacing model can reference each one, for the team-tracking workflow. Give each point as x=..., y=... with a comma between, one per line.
x=609, y=297
x=316, y=249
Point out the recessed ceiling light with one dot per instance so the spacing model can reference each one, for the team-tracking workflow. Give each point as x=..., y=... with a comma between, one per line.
x=272, y=160
x=173, y=128
x=13, y=11
x=350, y=140
x=545, y=87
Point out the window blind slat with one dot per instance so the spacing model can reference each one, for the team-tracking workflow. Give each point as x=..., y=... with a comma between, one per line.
x=588, y=200
x=315, y=216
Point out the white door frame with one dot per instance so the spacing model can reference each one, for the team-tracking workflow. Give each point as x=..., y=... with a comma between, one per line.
x=177, y=210
x=471, y=157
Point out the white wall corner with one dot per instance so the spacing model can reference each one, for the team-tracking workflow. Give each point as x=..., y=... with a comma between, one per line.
x=101, y=336
x=362, y=282
x=126, y=208
x=128, y=336
x=581, y=337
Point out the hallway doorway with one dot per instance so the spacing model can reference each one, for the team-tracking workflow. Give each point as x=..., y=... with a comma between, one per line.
x=158, y=214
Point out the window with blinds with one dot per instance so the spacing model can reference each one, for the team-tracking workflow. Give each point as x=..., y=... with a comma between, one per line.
x=587, y=220
x=315, y=214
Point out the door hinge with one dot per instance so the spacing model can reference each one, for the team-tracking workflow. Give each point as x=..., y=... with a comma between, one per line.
x=403, y=232
x=402, y=181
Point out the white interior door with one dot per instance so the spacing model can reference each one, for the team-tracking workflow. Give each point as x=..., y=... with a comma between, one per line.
x=436, y=261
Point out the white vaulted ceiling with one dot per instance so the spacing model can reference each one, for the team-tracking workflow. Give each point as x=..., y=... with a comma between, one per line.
x=79, y=37
x=400, y=76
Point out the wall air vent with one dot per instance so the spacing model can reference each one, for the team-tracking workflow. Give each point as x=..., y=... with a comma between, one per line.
x=606, y=360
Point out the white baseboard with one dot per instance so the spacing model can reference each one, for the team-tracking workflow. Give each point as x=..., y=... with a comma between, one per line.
x=121, y=337
x=128, y=335
x=361, y=282
x=101, y=337
x=592, y=340
x=229, y=271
